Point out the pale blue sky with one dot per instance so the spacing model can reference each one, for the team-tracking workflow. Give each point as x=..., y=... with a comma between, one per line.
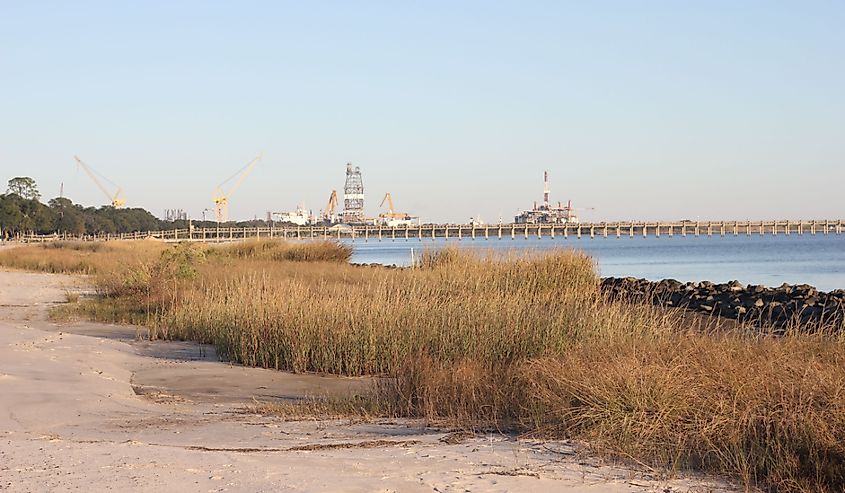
x=643, y=110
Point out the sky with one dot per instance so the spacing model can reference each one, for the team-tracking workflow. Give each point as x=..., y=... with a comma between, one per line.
x=639, y=110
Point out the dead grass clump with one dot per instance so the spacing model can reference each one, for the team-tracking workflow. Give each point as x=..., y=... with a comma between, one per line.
x=469, y=395
x=80, y=246
x=768, y=410
x=369, y=321
x=323, y=251
x=431, y=259
x=316, y=251
x=77, y=257
x=104, y=310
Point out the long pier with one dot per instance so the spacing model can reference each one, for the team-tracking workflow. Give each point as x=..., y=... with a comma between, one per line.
x=473, y=232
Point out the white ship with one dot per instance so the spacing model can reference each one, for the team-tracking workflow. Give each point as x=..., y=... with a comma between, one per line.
x=300, y=217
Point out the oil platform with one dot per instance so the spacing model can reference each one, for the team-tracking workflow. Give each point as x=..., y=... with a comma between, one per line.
x=546, y=213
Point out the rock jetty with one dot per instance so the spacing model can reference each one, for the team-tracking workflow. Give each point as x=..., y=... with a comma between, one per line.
x=789, y=305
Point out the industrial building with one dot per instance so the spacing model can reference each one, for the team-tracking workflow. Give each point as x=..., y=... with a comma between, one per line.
x=353, y=208
x=300, y=217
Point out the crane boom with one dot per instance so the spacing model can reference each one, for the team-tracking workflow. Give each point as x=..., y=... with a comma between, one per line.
x=328, y=214
x=389, y=200
x=115, y=199
x=221, y=200
x=247, y=170
x=391, y=211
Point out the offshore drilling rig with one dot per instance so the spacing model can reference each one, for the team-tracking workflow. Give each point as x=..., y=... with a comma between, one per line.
x=353, y=196
x=546, y=213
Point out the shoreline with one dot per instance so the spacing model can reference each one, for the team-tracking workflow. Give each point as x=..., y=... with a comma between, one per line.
x=779, y=308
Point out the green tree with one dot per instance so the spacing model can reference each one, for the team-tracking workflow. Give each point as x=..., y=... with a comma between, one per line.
x=24, y=187
x=67, y=216
x=15, y=214
x=42, y=217
x=11, y=217
x=98, y=221
x=21, y=211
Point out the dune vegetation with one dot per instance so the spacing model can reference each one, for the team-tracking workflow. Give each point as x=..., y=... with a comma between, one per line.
x=524, y=344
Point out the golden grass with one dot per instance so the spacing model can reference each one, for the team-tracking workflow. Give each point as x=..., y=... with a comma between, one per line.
x=356, y=321
x=318, y=251
x=82, y=257
x=525, y=344
x=769, y=410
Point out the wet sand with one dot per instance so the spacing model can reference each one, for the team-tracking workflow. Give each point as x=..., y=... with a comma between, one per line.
x=88, y=407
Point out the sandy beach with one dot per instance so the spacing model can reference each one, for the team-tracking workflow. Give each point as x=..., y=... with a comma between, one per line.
x=90, y=407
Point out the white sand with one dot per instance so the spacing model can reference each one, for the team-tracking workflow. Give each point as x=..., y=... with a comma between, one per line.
x=85, y=407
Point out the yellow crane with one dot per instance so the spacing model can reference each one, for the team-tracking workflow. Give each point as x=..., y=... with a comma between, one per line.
x=391, y=211
x=115, y=199
x=329, y=213
x=221, y=197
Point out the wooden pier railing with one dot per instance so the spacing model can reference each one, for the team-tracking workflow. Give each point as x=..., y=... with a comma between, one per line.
x=467, y=231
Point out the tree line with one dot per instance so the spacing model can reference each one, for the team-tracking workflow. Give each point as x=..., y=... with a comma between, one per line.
x=22, y=212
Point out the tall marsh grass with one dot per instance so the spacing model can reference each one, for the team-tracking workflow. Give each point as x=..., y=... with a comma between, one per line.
x=359, y=321
x=76, y=257
x=768, y=410
x=318, y=251
x=525, y=344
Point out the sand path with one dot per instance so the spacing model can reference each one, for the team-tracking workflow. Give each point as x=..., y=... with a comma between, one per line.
x=86, y=407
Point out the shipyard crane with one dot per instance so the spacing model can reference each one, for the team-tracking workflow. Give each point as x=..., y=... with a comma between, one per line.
x=221, y=197
x=329, y=212
x=114, y=198
x=391, y=217
x=391, y=211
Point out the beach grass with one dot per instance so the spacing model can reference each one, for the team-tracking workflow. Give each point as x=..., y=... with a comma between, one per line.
x=525, y=344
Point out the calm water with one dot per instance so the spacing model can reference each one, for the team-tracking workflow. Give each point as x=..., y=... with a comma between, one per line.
x=770, y=260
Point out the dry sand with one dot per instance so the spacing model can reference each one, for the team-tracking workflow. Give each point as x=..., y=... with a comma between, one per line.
x=87, y=407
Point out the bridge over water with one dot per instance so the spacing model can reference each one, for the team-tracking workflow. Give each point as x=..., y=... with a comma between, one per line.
x=491, y=231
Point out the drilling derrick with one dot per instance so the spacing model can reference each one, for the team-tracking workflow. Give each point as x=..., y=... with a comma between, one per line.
x=546, y=189
x=546, y=213
x=353, y=196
